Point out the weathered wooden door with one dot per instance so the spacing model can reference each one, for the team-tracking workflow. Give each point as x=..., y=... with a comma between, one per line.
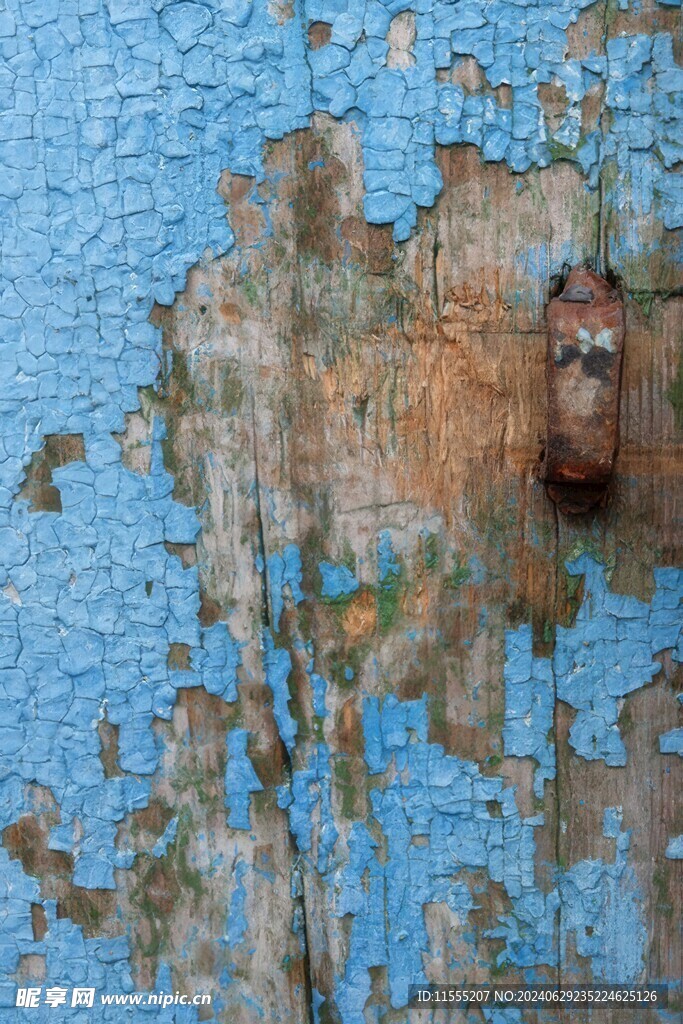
x=378, y=713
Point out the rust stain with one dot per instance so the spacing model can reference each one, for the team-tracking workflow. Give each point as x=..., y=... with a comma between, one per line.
x=319, y=34
x=230, y=312
x=585, y=344
x=360, y=618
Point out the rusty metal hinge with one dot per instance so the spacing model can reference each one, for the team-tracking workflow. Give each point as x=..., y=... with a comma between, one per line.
x=585, y=346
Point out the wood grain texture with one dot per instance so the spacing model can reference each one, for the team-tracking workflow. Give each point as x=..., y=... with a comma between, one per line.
x=328, y=385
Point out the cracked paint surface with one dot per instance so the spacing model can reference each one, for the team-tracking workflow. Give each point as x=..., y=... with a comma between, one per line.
x=116, y=121
x=470, y=822
x=605, y=656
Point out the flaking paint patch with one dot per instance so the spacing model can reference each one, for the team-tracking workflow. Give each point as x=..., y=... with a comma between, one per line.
x=606, y=655
x=337, y=581
x=311, y=787
x=448, y=801
x=672, y=742
x=240, y=779
x=529, y=706
x=609, y=653
x=284, y=570
x=115, y=116
x=674, y=849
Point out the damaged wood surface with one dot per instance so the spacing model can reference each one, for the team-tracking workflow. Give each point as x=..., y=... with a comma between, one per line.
x=418, y=722
x=370, y=388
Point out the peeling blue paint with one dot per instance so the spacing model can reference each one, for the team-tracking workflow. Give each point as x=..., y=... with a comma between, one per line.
x=284, y=570
x=116, y=121
x=240, y=779
x=387, y=564
x=602, y=906
x=609, y=654
x=71, y=959
x=596, y=664
x=237, y=921
x=672, y=742
x=311, y=786
x=318, y=1001
x=449, y=804
x=338, y=581
x=88, y=637
x=644, y=88
x=217, y=661
x=386, y=726
x=319, y=688
x=277, y=666
x=529, y=705
x=166, y=839
x=674, y=849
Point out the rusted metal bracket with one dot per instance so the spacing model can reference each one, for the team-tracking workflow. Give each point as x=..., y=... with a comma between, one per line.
x=585, y=345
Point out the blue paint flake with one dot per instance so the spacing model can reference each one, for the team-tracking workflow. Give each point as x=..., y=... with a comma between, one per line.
x=310, y=787
x=387, y=727
x=605, y=656
x=240, y=779
x=387, y=565
x=529, y=705
x=284, y=570
x=672, y=742
x=318, y=1001
x=449, y=805
x=601, y=905
x=71, y=959
x=237, y=920
x=674, y=849
x=319, y=688
x=99, y=602
x=338, y=581
x=609, y=654
x=166, y=839
x=217, y=661
x=277, y=665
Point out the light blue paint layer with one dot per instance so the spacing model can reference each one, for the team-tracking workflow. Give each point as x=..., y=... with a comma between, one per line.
x=338, y=581
x=442, y=821
x=96, y=603
x=284, y=570
x=605, y=656
x=672, y=742
x=674, y=849
x=529, y=705
x=240, y=779
x=602, y=907
x=319, y=688
x=387, y=563
x=277, y=665
x=71, y=959
x=609, y=654
x=166, y=839
x=311, y=787
x=237, y=920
